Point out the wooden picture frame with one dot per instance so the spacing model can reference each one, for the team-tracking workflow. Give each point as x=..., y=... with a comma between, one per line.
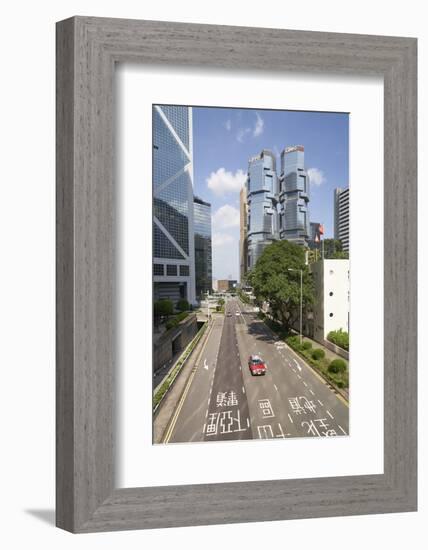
x=87, y=50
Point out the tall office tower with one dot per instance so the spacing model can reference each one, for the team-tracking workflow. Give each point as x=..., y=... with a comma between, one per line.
x=316, y=232
x=294, y=196
x=203, y=247
x=262, y=184
x=341, y=217
x=243, y=215
x=173, y=234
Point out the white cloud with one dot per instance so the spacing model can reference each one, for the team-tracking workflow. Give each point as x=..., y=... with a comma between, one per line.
x=241, y=133
x=221, y=239
x=316, y=176
x=223, y=181
x=228, y=125
x=258, y=126
x=226, y=216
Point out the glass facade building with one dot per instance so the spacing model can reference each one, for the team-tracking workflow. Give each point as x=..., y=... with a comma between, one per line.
x=261, y=186
x=203, y=247
x=173, y=231
x=294, y=196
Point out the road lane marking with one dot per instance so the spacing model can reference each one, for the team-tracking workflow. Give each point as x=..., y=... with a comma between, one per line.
x=298, y=376
x=291, y=420
x=248, y=422
x=313, y=393
x=329, y=414
x=205, y=364
x=203, y=431
x=305, y=383
x=297, y=365
x=321, y=403
x=206, y=414
x=167, y=435
x=294, y=370
x=275, y=387
x=243, y=389
x=342, y=429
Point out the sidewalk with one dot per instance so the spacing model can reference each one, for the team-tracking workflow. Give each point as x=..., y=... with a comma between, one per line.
x=328, y=353
x=169, y=404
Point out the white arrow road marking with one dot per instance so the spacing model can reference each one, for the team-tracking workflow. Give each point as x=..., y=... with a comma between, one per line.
x=205, y=364
x=297, y=365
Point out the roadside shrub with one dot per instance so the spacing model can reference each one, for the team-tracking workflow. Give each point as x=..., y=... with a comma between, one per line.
x=337, y=366
x=175, y=320
x=294, y=341
x=340, y=338
x=181, y=316
x=163, y=307
x=317, y=354
x=183, y=305
x=171, y=323
x=307, y=345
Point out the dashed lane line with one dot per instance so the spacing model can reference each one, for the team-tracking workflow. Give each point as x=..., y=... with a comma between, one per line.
x=329, y=414
x=342, y=429
x=291, y=420
x=304, y=383
x=275, y=386
x=321, y=403
x=313, y=393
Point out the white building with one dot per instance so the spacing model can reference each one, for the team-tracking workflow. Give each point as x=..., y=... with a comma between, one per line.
x=331, y=308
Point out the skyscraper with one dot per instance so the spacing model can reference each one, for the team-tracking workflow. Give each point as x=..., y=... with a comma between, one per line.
x=261, y=186
x=243, y=215
x=294, y=196
x=173, y=232
x=203, y=248
x=341, y=217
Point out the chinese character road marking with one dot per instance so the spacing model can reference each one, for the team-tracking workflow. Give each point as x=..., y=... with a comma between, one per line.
x=266, y=408
x=223, y=423
x=319, y=427
x=225, y=399
x=301, y=405
x=266, y=432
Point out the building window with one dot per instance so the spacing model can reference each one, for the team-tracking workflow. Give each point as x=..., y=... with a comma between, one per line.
x=158, y=269
x=171, y=270
x=184, y=270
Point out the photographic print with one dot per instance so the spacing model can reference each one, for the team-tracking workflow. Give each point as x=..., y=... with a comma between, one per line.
x=251, y=274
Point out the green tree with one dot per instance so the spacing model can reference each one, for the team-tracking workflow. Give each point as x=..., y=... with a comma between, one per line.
x=183, y=305
x=272, y=281
x=333, y=250
x=162, y=308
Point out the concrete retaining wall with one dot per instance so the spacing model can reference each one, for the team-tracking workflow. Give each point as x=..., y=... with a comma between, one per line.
x=174, y=341
x=332, y=347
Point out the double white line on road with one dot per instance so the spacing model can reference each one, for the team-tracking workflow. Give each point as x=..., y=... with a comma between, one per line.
x=170, y=429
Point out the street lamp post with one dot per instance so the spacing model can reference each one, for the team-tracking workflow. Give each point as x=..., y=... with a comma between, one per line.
x=301, y=301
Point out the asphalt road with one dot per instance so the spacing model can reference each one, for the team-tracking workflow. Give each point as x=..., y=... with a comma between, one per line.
x=223, y=401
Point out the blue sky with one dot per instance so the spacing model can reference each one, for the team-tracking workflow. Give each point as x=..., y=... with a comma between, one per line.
x=223, y=141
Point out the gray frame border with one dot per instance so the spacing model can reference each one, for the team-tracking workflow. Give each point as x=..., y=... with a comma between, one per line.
x=87, y=49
